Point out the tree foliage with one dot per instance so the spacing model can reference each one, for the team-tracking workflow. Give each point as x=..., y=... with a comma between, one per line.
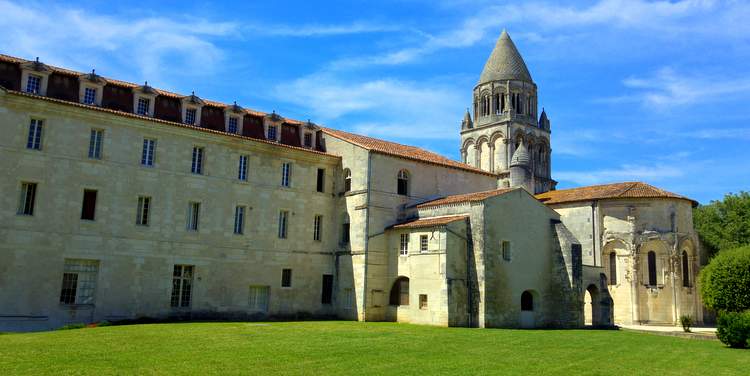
x=725, y=281
x=724, y=224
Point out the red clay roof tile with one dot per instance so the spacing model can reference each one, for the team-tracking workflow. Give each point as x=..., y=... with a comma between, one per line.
x=607, y=191
x=429, y=222
x=466, y=197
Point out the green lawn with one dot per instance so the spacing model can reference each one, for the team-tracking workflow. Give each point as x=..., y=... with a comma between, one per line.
x=348, y=348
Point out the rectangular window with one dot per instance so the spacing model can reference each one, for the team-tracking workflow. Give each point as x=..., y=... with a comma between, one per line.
x=308, y=140
x=286, y=278
x=34, y=84
x=232, y=125
x=190, y=116
x=326, y=295
x=258, y=298
x=345, y=233
x=193, y=215
x=89, y=95
x=317, y=227
x=34, y=141
x=79, y=281
x=272, y=132
x=143, y=106
x=242, y=169
x=423, y=242
x=88, y=209
x=506, y=250
x=144, y=209
x=147, y=156
x=283, y=219
x=197, y=165
x=182, y=286
x=404, y=246
x=239, y=220
x=422, y=301
x=321, y=180
x=95, y=144
x=286, y=174
x=26, y=201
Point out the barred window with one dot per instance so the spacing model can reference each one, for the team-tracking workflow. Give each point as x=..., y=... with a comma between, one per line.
x=317, y=227
x=193, y=215
x=286, y=174
x=143, y=106
x=232, y=125
x=239, y=220
x=34, y=84
x=423, y=243
x=190, y=116
x=506, y=250
x=89, y=95
x=147, y=156
x=272, y=132
x=286, y=278
x=26, y=201
x=95, y=144
x=144, y=209
x=283, y=219
x=242, y=168
x=197, y=164
x=258, y=298
x=182, y=286
x=34, y=141
x=79, y=281
x=404, y=246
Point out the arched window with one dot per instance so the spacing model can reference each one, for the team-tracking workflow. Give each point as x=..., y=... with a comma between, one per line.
x=400, y=292
x=403, y=183
x=685, y=270
x=527, y=301
x=347, y=180
x=652, y=268
x=612, y=268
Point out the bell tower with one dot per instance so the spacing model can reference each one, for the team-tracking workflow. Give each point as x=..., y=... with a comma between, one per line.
x=505, y=117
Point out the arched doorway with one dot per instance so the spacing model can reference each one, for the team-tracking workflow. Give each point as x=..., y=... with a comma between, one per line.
x=592, y=306
x=529, y=307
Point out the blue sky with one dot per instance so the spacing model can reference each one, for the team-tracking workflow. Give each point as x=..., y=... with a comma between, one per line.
x=636, y=90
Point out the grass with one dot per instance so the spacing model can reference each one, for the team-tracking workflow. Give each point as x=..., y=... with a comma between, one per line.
x=346, y=348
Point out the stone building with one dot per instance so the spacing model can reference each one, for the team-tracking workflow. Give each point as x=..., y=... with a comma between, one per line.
x=123, y=201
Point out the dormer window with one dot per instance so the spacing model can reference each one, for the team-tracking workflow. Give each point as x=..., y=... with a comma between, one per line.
x=190, y=116
x=272, y=132
x=308, y=140
x=34, y=84
x=232, y=126
x=89, y=95
x=143, y=105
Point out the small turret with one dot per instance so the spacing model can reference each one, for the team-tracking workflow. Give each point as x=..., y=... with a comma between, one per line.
x=544, y=121
x=520, y=169
x=466, y=123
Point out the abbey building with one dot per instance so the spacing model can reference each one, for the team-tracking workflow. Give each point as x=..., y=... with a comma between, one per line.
x=123, y=201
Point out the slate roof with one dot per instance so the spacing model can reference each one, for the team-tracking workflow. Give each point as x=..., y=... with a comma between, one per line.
x=429, y=222
x=608, y=191
x=505, y=63
x=466, y=197
x=401, y=151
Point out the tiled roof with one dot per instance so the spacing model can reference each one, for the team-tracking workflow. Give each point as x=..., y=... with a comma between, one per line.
x=463, y=198
x=505, y=63
x=607, y=191
x=156, y=120
x=430, y=222
x=12, y=59
x=401, y=151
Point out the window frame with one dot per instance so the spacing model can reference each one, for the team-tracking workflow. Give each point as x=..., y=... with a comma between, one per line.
x=423, y=302
x=424, y=244
x=242, y=167
x=38, y=86
x=286, y=174
x=198, y=160
x=148, y=153
x=143, y=211
x=402, y=183
x=185, y=281
x=240, y=212
x=404, y=244
x=89, y=214
x=35, y=134
x=90, y=95
x=283, y=224
x=236, y=125
x=84, y=284
x=263, y=292
x=506, y=250
x=95, y=144
x=140, y=101
x=320, y=180
x=192, y=223
x=287, y=278
x=27, y=199
x=317, y=227
x=191, y=116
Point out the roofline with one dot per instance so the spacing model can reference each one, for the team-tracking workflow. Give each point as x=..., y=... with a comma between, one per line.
x=544, y=200
x=467, y=168
x=156, y=120
x=459, y=217
x=428, y=205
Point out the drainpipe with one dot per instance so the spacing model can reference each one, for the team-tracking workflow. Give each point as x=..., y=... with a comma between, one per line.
x=367, y=232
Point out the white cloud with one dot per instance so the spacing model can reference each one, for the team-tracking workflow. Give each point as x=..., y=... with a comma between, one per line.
x=386, y=107
x=72, y=37
x=626, y=172
x=317, y=30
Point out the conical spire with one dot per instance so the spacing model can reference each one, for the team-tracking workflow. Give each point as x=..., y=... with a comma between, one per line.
x=520, y=157
x=466, y=123
x=505, y=63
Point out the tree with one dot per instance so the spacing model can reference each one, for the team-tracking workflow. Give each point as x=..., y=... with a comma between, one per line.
x=724, y=224
x=725, y=281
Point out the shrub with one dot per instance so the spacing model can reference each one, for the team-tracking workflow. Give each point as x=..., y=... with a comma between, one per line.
x=725, y=281
x=734, y=329
x=73, y=326
x=687, y=322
